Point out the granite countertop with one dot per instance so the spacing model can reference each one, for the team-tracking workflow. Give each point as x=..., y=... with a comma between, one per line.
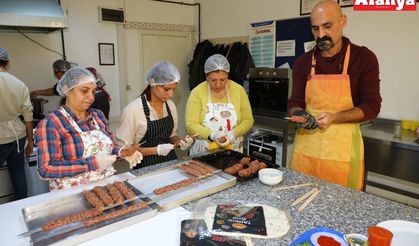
x=336, y=207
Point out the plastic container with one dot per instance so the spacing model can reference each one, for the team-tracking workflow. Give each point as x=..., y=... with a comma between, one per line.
x=379, y=236
x=410, y=124
x=397, y=131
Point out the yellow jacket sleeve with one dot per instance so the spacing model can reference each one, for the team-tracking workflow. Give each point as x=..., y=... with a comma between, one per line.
x=196, y=110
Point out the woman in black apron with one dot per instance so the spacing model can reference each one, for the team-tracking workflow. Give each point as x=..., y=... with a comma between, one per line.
x=151, y=120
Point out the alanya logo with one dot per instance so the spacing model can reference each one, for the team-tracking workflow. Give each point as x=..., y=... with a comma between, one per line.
x=385, y=5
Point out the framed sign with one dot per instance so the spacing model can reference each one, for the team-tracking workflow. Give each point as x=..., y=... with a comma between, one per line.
x=307, y=5
x=106, y=54
x=346, y=3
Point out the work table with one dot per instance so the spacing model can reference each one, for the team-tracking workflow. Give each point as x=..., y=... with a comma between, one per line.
x=344, y=210
x=336, y=207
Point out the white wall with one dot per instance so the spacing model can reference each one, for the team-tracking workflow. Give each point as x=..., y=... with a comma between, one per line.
x=32, y=64
x=393, y=36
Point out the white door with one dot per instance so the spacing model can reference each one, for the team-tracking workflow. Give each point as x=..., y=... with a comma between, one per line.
x=176, y=48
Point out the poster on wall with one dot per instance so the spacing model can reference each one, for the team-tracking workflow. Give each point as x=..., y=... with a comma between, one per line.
x=262, y=43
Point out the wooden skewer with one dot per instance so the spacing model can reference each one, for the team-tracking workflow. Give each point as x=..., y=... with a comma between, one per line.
x=301, y=198
x=305, y=204
x=292, y=186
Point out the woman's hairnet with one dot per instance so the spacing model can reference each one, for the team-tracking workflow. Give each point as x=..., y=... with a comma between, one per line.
x=61, y=66
x=4, y=55
x=74, y=77
x=163, y=73
x=215, y=63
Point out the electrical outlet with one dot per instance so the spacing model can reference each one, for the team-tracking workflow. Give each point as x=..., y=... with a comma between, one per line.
x=128, y=87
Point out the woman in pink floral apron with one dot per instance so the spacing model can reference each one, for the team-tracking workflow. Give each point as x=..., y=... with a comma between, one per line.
x=218, y=110
x=75, y=145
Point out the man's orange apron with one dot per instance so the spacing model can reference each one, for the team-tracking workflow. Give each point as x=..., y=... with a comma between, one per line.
x=335, y=154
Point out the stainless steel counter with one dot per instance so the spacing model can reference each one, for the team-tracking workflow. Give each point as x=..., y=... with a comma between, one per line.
x=391, y=163
x=382, y=130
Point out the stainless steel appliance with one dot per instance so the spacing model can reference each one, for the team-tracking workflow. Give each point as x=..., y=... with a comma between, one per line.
x=268, y=146
x=6, y=188
x=36, y=185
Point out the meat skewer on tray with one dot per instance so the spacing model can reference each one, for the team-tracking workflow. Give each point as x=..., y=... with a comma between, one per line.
x=181, y=184
x=95, y=202
x=196, y=169
x=85, y=219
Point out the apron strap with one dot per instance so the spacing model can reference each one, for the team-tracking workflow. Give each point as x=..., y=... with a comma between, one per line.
x=73, y=122
x=345, y=62
x=14, y=132
x=147, y=109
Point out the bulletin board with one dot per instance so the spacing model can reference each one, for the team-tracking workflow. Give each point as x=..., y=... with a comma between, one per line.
x=297, y=32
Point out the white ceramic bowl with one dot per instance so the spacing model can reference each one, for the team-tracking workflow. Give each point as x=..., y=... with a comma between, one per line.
x=270, y=176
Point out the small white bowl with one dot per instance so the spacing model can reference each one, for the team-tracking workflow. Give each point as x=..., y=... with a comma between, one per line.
x=270, y=176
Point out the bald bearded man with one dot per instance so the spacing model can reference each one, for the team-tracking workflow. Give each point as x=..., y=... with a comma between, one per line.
x=335, y=87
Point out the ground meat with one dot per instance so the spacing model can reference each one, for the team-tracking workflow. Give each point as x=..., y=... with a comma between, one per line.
x=175, y=186
x=245, y=160
x=123, y=188
x=128, y=151
x=104, y=196
x=71, y=219
x=233, y=170
x=298, y=119
x=92, y=199
x=191, y=170
x=116, y=195
x=115, y=213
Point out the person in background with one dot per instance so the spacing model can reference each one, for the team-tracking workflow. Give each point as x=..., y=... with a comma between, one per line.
x=14, y=101
x=59, y=67
x=218, y=109
x=75, y=145
x=335, y=87
x=152, y=120
x=102, y=97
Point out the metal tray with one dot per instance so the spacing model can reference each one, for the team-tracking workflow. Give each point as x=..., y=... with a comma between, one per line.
x=227, y=158
x=149, y=182
x=37, y=215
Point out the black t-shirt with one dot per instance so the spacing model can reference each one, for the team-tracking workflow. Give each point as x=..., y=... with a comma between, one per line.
x=55, y=89
x=102, y=103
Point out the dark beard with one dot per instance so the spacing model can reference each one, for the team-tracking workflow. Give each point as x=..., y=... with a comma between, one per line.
x=325, y=43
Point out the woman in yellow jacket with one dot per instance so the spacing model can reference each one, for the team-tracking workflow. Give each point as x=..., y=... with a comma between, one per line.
x=218, y=109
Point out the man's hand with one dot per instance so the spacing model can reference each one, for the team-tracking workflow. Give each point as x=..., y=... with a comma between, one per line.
x=324, y=120
x=29, y=148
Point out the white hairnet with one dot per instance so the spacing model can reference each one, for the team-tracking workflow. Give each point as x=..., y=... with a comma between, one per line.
x=163, y=73
x=74, y=77
x=3, y=54
x=215, y=63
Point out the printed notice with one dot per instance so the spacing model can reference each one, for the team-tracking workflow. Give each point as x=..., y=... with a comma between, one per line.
x=262, y=43
x=285, y=48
